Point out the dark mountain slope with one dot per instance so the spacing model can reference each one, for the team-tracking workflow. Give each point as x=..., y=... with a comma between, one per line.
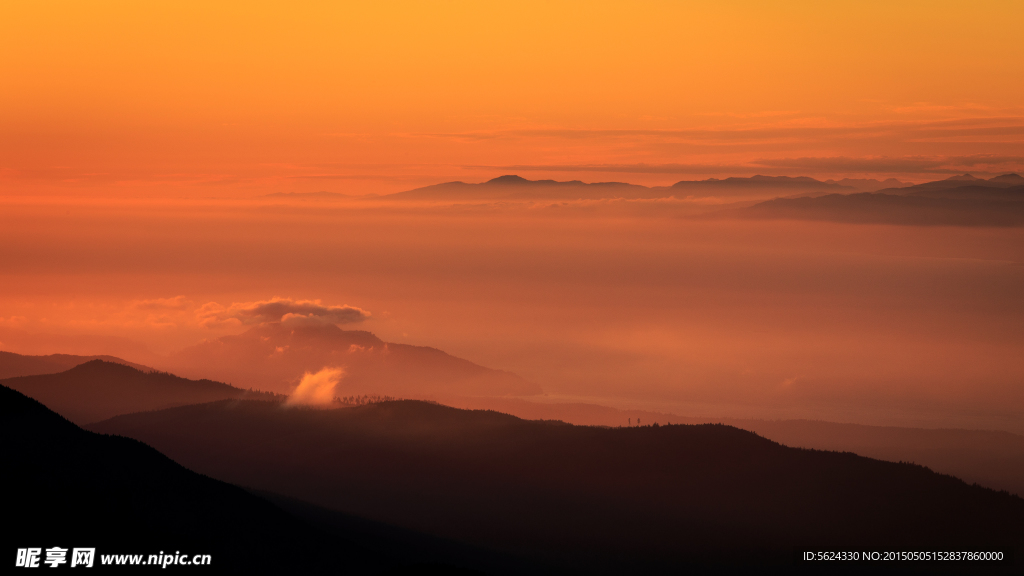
x=12, y=364
x=595, y=499
x=991, y=458
x=98, y=390
x=71, y=488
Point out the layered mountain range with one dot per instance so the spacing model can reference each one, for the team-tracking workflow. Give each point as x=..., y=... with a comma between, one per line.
x=963, y=200
x=96, y=390
x=407, y=481
x=957, y=201
x=512, y=188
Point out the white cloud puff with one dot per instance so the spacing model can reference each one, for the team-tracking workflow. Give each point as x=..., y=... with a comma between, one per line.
x=316, y=389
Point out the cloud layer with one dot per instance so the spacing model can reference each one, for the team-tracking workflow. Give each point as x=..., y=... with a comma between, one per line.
x=278, y=309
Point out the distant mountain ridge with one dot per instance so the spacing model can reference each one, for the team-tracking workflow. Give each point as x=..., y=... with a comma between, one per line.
x=512, y=187
x=794, y=183
x=274, y=356
x=12, y=364
x=869, y=184
x=98, y=389
x=957, y=201
x=963, y=180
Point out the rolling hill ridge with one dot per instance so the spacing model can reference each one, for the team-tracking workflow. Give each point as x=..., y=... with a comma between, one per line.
x=594, y=499
x=98, y=389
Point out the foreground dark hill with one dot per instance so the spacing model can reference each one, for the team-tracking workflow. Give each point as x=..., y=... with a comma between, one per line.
x=12, y=364
x=273, y=356
x=988, y=457
x=97, y=390
x=992, y=458
x=71, y=487
x=594, y=499
x=68, y=487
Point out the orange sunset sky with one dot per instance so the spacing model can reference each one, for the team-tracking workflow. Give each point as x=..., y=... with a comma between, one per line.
x=240, y=98
x=139, y=140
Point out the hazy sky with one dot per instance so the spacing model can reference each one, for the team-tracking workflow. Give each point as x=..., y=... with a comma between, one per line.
x=237, y=98
x=135, y=136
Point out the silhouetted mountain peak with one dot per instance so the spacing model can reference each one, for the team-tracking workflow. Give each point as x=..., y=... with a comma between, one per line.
x=964, y=177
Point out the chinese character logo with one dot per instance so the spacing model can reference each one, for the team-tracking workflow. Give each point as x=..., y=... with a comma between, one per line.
x=56, y=556
x=83, y=557
x=28, y=557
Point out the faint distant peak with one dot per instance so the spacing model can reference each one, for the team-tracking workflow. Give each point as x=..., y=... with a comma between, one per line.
x=97, y=364
x=870, y=184
x=513, y=180
x=761, y=178
x=965, y=178
x=508, y=179
x=760, y=181
x=1008, y=178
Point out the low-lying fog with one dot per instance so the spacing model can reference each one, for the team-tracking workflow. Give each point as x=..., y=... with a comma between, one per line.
x=601, y=302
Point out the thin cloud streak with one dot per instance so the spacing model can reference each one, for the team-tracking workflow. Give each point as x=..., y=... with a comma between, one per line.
x=839, y=164
x=964, y=127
